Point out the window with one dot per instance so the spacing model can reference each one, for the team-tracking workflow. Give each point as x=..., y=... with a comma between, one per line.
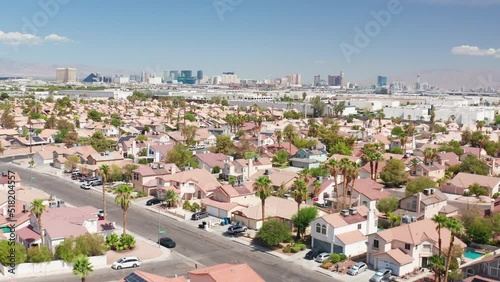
x=318, y=228
x=407, y=247
x=414, y=204
x=323, y=229
x=359, y=226
x=365, y=203
x=136, y=176
x=470, y=272
x=375, y=244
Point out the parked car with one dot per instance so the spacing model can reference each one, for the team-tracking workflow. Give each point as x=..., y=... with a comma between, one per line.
x=235, y=229
x=88, y=179
x=85, y=186
x=153, y=201
x=100, y=214
x=95, y=182
x=126, y=262
x=312, y=254
x=167, y=242
x=199, y=215
x=357, y=268
x=381, y=275
x=322, y=257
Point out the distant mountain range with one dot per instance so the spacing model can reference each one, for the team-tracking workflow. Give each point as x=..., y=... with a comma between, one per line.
x=443, y=78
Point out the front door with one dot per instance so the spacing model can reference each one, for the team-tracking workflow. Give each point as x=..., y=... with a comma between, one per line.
x=425, y=262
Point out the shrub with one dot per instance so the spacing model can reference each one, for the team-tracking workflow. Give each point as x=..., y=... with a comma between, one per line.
x=112, y=241
x=5, y=251
x=87, y=244
x=287, y=249
x=295, y=249
x=334, y=258
x=274, y=232
x=195, y=207
x=300, y=246
x=343, y=257
x=141, y=194
x=496, y=195
x=127, y=242
x=187, y=205
x=326, y=264
x=39, y=254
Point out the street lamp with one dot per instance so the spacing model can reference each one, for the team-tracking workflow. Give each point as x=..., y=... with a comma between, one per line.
x=31, y=180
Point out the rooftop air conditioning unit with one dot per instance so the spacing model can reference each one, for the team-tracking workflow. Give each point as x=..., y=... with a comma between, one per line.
x=345, y=212
x=352, y=210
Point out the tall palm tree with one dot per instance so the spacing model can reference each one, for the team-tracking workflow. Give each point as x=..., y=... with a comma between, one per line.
x=345, y=166
x=380, y=116
x=37, y=208
x=368, y=156
x=480, y=124
x=262, y=188
x=483, y=139
x=290, y=134
x=377, y=157
x=440, y=221
x=353, y=175
x=124, y=200
x=299, y=192
x=82, y=267
x=455, y=227
x=334, y=167
x=104, y=172
x=279, y=136
x=316, y=186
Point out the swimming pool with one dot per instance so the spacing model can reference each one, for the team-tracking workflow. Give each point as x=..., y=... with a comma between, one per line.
x=471, y=254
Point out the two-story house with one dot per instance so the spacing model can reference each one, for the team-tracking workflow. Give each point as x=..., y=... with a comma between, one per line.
x=432, y=170
x=144, y=177
x=191, y=184
x=406, y=247
x=344, y=232
x=426, y=204
x=462, y=181
x=486, y=269
x=244, y=169
x=209, y=161
x=307, y=158
x=226, y=199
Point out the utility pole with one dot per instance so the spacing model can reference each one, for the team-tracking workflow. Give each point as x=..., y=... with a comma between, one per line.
x=31, y=128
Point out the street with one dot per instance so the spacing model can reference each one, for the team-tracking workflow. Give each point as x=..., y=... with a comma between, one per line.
x=203, y=247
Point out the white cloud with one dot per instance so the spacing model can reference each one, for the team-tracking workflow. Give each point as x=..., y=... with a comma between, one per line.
x=57, y=38
x=475, y=51
x=17, y=38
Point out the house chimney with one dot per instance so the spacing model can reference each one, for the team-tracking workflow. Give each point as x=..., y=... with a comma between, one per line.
x=173, y=170
x=371, y=222
x=419, y=201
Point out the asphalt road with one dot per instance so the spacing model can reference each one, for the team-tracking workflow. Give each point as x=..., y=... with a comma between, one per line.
x=203, y=247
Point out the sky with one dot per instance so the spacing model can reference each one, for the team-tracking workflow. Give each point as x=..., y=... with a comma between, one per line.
x=256, y=38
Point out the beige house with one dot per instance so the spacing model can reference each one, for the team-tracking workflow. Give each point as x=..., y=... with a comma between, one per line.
x=406, y=247
x=245, y=169
x=144, y=177
x=192, y=184
x=426, y=204
x=227, y=199
x=462, y=181
x=434, y=171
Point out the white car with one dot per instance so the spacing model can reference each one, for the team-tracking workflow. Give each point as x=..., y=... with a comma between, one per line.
x=126, y=263
x=322, y=257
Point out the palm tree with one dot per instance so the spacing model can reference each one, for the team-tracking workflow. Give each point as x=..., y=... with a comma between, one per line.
x=440, y=221
x=483, y=139
x=353, y=175
x=279, y=136
x=37, y=208
x=377, y=157
x=380, y=116
x=262, y=188
x=334, y=167
x=124, y=200
x=104, y=172
x=171, y=198
x=82, y=267
x=455, y=227
x=437, y=264
x=316, y=186
x=480, y=124
x=299, y=192
x=403, y=139
x=430, y=155
x=289, y=133
x=345, y=166
x=368, y=155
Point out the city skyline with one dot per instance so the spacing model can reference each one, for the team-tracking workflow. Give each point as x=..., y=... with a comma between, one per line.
x=257, y=43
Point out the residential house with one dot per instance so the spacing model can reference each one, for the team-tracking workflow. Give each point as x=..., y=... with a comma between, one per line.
x=158, y=152
x=448, y=159
x=366, y=192
x=107, y=130
x=409, y=146
x=275, y=207
x=105, y=158
x=307, y=158
x=144, y=177
x=209, y=161
x=278, y=177
x=191, y=184
x=270, y=150
x=227, y=199
x=47, y=156
x=406, y=247
x=379, y=138
x=426, y=204
x=142, y=276
x=225, y=273
x=244, y=169
x=344, y=232
x=60, y=223
x=462, y=181
x=484, y=269
x=432, y=170
x=20, y=213
x=365, y=171
x=472, y=151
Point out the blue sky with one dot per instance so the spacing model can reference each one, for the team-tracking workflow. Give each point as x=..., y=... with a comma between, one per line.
x=255, y=38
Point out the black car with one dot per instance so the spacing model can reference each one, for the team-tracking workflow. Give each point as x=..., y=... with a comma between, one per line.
x=167, y=242
x=312, y=254
x=153, y=201
x=199, y=215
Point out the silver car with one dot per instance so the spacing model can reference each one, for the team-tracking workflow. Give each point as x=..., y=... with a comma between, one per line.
x=322, y=257
x=126, y=263
x=381, y=275
x=357, y=268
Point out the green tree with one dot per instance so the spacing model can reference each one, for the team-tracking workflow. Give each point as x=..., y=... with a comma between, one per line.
x=477, y=190
x=37, y=208
x=397, y=131
x=440, y=221
x=388, y=204
x=6, y=249
x=341, y=148
x=181, y=156
x=273, y=232
x=115, y=122
x=262, y=188
x=99, y=142
x=224, y=144
x=394, y=172
x=303, y=218
x=171, y=198
x=479, y=231
x=299, y=192
x=455, y=227
x=7, y=120
x=289, y=133
x=141, y=138
x=82, y=267
x=471, y=164
x=124, y=200
x=419, y=184
x=318, y=106
x=127, y=171
x=189, y=133
x=94, y=115
x=281, y=157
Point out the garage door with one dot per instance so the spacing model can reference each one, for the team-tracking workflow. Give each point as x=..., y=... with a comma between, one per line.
x=213, y=211
x=389, y=265
x=322, y=246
